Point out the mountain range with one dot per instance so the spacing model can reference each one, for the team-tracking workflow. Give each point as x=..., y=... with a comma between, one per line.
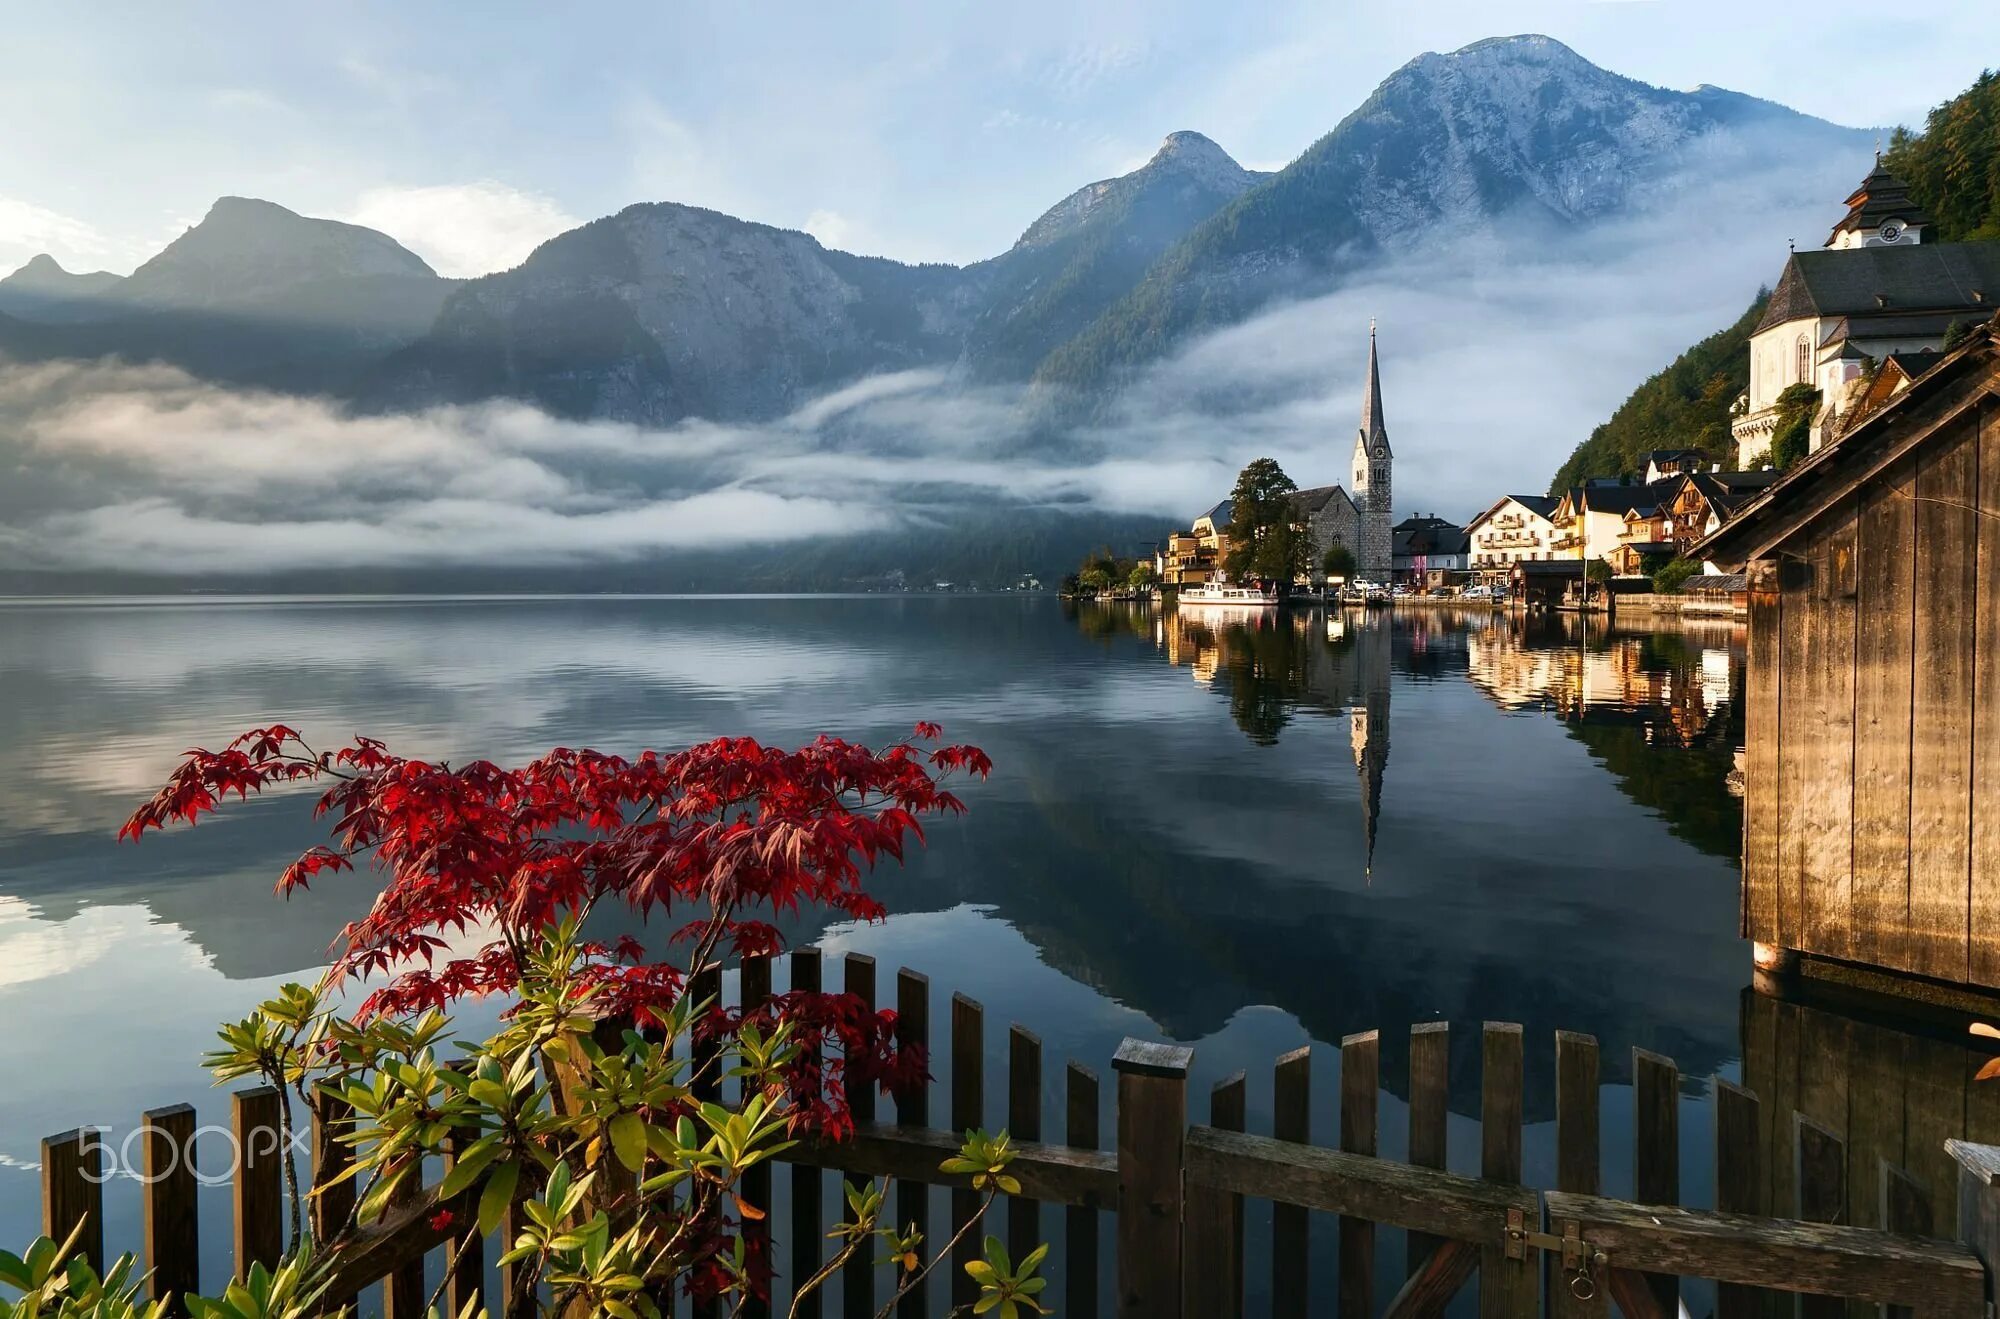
x=665, y=311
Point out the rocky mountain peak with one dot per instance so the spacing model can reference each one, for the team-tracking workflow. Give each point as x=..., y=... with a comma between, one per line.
x=42, y=290
x=245, y=247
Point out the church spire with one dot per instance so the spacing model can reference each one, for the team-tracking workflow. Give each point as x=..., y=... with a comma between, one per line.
x=1374, y=434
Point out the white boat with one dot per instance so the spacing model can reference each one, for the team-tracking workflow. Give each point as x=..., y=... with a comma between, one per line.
x=1235, y=597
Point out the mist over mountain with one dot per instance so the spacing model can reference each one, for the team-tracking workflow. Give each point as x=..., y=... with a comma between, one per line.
x=670, y=382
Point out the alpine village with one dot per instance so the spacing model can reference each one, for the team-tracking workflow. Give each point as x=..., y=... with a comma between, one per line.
x=1794, y=526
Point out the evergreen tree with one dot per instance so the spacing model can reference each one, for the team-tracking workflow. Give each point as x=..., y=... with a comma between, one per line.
x=1953, y=168
x=1265, y=541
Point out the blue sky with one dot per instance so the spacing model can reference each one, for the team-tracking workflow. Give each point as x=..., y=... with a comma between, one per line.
x=922, y=130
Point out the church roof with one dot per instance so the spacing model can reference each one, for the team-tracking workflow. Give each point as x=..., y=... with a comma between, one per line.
x=1317, y=498
x=1374, y=431
x=1880, y=198
x=1858, y=281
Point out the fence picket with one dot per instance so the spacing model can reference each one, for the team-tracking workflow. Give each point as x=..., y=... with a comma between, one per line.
x=1080, y=1128
x=1291, y=1119
x=1152, y=1149
x=260, y=1178
x=1578, y=1167
x=73, y=1191
x=172, y=1226
x=1507, y=1286
x=1214, y=1232
x=1430, y=1118
x=968, y=1113
x=1360, y=1086
x=857, y=1279
x=1656, y=1150
x=1024, y=1122
x=806, y=1181
x=1905, y=1210
x=1822, y=1164
x=753, y=985
x=1739, y=1181
x=913, y=1199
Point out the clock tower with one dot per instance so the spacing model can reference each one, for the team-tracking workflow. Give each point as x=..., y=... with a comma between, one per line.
x=1371, y=483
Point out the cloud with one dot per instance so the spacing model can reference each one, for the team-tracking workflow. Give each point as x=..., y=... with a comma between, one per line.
x=1502, y=347
x=464, y=229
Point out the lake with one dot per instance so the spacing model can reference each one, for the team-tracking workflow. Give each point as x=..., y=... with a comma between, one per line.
x=1243, y=836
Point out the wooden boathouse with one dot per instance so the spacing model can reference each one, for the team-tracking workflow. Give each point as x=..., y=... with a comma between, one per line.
x=1872, y=737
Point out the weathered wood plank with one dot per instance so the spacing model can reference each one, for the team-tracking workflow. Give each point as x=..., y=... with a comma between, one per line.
x=172, y=1228
x=1985, y=842
x=1383, y=1191
x=1797, y=705
x=1941, y=710
x=1152, y=1131
x=1739, y=1181
x=857, y=1277
x=1024, y=1122
x=1214, y=1237
x=1430, y=1116
x=1360, y=1087
x=1080, y=1254
x=260, y=1177
x=1761, y=723
x=73, y=1191
x=466, y=1257
x=1826, y=1259
x=1506, y=1286
x=968, y=1113
x=913, y=1109
x=1829, y=803
x=1656, y=1150
x=1886, y=544
x=1291, y=1120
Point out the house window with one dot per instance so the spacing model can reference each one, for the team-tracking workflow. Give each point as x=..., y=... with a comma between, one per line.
x=1805, y=361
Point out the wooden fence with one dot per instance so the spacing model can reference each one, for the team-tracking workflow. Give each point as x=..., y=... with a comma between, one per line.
x=1175, y=1190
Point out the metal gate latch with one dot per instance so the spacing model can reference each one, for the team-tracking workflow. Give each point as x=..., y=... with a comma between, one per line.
x=1580, y=1260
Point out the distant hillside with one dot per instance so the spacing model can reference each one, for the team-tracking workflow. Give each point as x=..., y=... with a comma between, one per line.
x=1686, y=405
x=1953, y=169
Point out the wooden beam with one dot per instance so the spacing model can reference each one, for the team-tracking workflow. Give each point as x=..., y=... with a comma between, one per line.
x=1380, y=1190
x=1152, y=1129
x=1434, y=1282
x=1939, y=1278
x=1057, y=1173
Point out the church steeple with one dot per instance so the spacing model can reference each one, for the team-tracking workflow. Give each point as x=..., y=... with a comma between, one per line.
x=1370, y=487
x=1879, y=214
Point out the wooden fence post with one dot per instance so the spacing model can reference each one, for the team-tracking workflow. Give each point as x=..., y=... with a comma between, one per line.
x=73, y=1191
x=1739, y=1181
x=260, y=1178
x=1507, y=1286
x=1080, y=1130
x=913, y=1199
x=1152, y=1151
x=1213, y=1241
x=1024, y=1122
x=1822, y=1164
x=753, y=991
x=1430, y=1117
x=1579, y=1167
x=1656, y=1151
x=1360, y=1086
x=857, y=1277
x=968, y=1113
x=1291, y=1119
x=1979, y=1203
x=806, y=1243
x=172, y=1230
x=1905, y=1209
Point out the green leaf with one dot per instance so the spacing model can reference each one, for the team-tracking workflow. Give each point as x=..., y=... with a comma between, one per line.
x=499, y=1193
x=628, y=1140
x=466, y=1170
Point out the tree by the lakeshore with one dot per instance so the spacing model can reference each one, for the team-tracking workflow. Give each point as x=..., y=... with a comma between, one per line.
x=1792, y=434
x=1265, y=541
x=1337, y=562
x=1141, y=577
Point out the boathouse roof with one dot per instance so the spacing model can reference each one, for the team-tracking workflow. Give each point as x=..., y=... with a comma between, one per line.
x=1960, y=380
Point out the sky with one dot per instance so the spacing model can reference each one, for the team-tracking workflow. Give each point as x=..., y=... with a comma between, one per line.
x=920, y=129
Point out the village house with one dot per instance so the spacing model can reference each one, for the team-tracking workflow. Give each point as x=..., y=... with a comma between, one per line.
x=1666, y=464
x=1515, y=528
x=1589, y=519
x=1872, y=776
x=1875, y=290
x=1428, y=551
x=1685, y=509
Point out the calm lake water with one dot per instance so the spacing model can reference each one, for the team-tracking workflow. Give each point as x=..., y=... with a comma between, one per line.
x=1240, y=836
